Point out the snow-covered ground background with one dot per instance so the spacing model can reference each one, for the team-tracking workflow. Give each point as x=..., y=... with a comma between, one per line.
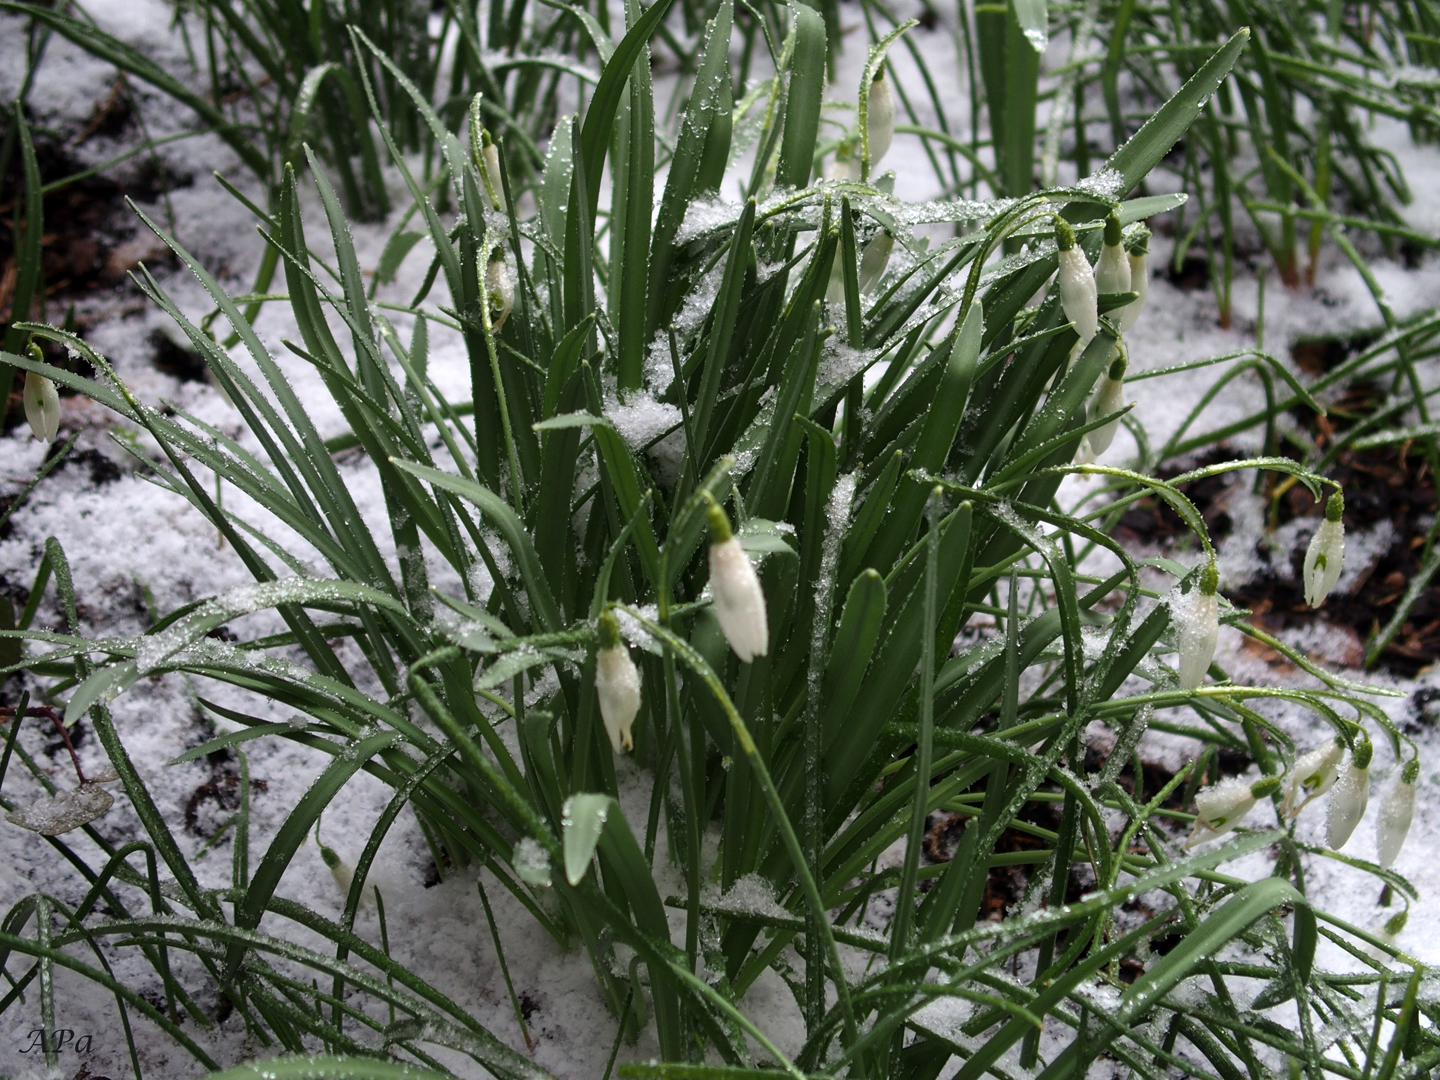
x=137, y=552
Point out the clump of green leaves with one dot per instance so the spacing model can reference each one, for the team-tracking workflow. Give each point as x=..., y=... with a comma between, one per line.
x=890, y=457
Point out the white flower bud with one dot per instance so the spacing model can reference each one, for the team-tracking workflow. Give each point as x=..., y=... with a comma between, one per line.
x=617, y=682
x=499, y=292
x=1312, y=775
x=42, y=406
x=1397, y=809
x=1129, y=315
x=1326, y=554
x=1077, y=284
x=1198, y=614
x=880, y=118
x=874, y=259
x=491, y=162
x=735, y=589
x=1349, y=796
x=1220, y=808
x=1109, y=398
x=1112, y=269
x=341, y=872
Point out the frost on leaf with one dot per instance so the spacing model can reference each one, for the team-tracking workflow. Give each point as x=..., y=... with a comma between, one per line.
x=63, y=811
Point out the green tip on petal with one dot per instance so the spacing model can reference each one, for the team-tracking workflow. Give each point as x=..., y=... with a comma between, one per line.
x=719, y=523
x=1265, y=787
x=1112, y=229
x=1210, y=579
x=609, y=630
x=1335, y=507
x=1064, y=235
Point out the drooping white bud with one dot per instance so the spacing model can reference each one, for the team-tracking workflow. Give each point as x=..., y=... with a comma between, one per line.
x=1349, y=796
x=1139, y=285
x=735, y=588
x=617, y=683
x=42, y=406
x=1397, y=809
x=874, y=259
x=1112, y=269
x=880, y=118
x=1220, y=808
x=1198, y=614
x=1109, y=397
x=341, y=871
x=499, y=292
x=1077, y=284
x=1325, y=556
x=1312, y=775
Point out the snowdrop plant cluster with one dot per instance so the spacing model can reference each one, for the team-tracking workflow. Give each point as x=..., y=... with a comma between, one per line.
x=854, y=598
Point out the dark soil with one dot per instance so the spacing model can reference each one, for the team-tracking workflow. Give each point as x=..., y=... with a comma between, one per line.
x=91, y=238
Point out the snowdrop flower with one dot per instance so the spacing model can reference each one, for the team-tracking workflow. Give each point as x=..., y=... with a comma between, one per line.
x=874, y=259
x=617, y=682
x=1220, y=808
x=1129, y=315
x=1312, y=776
x=42, y=406
x=1199, y=617
x=1109, y=398
x=1112, y=269
x=1349, y=796
x=1397, y=808
x=491, y=161
x=340, y=870
x=499, y=292
x=1077, y=283
x=1326, y=553
x=880, y=118
x=739, y=601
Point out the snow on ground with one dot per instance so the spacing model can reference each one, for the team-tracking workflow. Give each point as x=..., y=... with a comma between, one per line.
x=137, y=551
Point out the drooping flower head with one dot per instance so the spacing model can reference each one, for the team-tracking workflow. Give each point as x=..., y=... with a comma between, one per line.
x=1325, y=556
x=1349, y=796
x=1112, y=269
x=1219, y=808
x=1198, y=614
x=1109, y=397
x=735, y=589
x=1312, y=775
x=1129, y=315
x=1077, y=283
x=617, y=684
x=42, y=402
x=1397, y=809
